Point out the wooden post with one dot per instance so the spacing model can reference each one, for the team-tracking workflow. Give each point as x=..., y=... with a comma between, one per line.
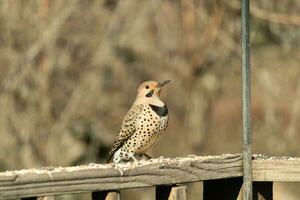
x=246, y=99
x=171, y=193
x=262, y=190
x=225, y=189
x=178, y=193
x=106, y=195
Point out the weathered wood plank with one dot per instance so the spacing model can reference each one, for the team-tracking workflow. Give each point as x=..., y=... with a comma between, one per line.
x=262, y=190
x=154, y=172
x=106, y=195
x=276, y=169
x=171, y=192
x=225, y=189
x=91, y=178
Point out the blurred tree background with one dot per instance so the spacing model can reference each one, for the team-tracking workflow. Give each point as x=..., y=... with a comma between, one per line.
x=69, y=71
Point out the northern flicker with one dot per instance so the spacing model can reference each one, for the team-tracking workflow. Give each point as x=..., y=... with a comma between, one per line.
x=143, y=124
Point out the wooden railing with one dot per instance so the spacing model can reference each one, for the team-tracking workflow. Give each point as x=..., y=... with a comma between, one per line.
x=221, y=176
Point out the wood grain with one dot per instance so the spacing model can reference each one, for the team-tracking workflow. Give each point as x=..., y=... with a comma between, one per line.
x=281, y=170
x=155, y=172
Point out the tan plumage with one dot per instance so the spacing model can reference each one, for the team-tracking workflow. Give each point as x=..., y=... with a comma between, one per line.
x=143, y=125
x=127, y=129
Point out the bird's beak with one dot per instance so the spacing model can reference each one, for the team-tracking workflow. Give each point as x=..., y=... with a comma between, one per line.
x=163, y=83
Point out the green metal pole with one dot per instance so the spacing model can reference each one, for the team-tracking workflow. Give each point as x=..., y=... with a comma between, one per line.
x=246, y=99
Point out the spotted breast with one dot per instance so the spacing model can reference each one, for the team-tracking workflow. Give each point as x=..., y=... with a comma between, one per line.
x=150, y=125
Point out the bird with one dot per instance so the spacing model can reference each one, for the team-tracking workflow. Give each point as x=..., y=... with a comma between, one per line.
x=143, y=125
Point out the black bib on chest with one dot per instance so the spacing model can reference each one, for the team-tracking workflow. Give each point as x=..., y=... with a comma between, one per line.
x=160, y=111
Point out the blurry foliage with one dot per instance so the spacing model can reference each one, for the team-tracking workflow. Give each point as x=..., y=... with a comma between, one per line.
x=70, y=69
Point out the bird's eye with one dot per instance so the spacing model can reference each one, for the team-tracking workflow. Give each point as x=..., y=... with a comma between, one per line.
x=147, y=87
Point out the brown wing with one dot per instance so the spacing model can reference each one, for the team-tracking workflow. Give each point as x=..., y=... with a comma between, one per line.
x=128, y=127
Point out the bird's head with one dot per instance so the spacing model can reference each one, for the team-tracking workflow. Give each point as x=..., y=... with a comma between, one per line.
x=151, y=89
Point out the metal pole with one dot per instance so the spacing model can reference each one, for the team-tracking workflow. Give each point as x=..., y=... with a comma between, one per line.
x=246, y=93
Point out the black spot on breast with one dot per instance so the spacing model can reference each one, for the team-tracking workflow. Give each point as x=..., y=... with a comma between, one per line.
x=160, y=111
